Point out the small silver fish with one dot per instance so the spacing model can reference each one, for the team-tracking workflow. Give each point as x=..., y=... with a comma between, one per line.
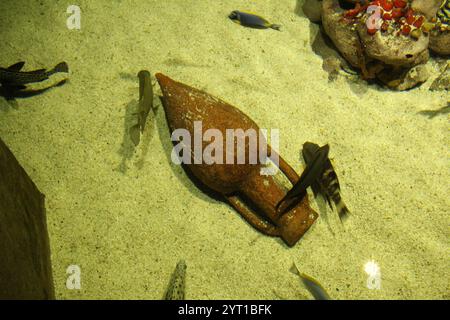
x=311, y=284
x=175, y=290
x=251, y=20
x=327, y=183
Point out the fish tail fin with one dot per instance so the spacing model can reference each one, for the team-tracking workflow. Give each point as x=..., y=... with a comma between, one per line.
x=314, y=287
x=60, y=67
x=343, y=211
x=327, y=198
x=275, y=27
x=294, y=269
x=16, y=66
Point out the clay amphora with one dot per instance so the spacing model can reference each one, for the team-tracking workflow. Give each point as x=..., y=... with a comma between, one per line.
x=252, y=194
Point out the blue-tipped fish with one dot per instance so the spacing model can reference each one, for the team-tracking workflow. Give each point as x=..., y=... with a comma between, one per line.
x=251, y=20
x=311, y=284
x=327, y=183
x=312, y=172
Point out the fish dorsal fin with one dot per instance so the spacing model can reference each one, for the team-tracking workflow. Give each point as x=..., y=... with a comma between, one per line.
x=250, y=13
x=16, y=66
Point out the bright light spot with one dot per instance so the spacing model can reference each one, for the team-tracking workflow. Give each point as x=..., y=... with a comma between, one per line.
x=372, y=268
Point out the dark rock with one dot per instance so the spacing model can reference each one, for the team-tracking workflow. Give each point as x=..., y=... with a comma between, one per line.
x=404, y=79
x=25, y=268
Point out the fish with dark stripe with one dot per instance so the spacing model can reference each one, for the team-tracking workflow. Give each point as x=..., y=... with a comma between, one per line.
x=312, y=172
x=327, y=183
x=13, y=80
x=12, y=76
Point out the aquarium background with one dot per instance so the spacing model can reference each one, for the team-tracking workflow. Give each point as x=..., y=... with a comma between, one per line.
x=127, y=215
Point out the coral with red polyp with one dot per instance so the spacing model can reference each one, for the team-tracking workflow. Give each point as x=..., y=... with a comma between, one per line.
x=410, y=16
x=406, y=29
x=387, y=5
x=352, y=13
x=419, y=22
x=397, y=15
x=410, y=20
x=400, y=3
x=387, y=16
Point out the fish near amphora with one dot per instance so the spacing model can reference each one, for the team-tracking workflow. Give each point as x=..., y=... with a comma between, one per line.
x=253, y=194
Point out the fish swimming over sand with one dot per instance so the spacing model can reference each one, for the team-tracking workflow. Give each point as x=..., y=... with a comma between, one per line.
x=175, y=290
x=313, y=171
x=327, y=182
x=144, y=107
x=13, y=81
x=251, y=20
x=145, y=97
x=311, y=284
x=12, y=76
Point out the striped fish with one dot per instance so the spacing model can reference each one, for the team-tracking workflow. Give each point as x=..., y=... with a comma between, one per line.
x=175, y=290
x=444, y=12
x=312, y=172
x=12, y=76
x=327, y=184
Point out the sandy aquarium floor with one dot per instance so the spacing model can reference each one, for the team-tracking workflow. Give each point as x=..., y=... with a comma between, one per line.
x=126, y=216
